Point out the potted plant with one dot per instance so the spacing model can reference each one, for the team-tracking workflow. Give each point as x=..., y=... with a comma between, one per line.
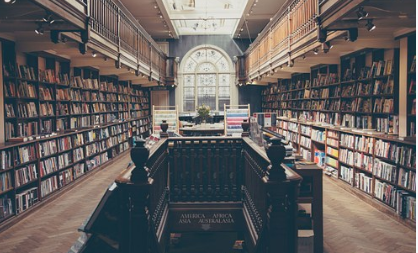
x=203, y=112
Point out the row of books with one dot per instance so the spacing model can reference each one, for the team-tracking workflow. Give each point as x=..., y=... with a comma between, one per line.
x=384, y=170
x=407, y=179
x=49, y=185
x=6, y=161
x=50, y=76
x=25, y=175
x=325, y=79
x=318, y=135
x=363, y=182
x=6, y=207
x=26, y=199
x=406, y=205
x=48, y=166
x=346, y=156
x=331, y=162
x=6, y=182
x=47, y=148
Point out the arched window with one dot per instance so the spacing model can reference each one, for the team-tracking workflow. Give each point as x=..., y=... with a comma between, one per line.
x=207, y=74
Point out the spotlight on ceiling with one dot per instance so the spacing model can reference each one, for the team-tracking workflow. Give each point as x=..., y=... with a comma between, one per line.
x=94, y=54
x=48, y=19
x=370, y=26
x=39, y=30
x=315, y=51
x=361, y=13
x=10, y=1
x=326, y=46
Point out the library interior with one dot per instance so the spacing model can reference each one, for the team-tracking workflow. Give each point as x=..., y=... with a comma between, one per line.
x=203, y=126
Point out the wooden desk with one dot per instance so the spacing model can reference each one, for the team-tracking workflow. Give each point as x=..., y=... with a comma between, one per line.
x=203, y=130
x=311, y=192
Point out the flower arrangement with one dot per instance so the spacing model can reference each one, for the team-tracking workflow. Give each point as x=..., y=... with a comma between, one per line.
x=203, y=111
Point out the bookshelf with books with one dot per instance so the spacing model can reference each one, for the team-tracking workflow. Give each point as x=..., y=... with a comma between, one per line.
x=270, y=98
x=31, y=171
x=124, y=98
x=368, y=90
x=379, y=165
x=411, y=81
x=139, y=102
x=325, y=94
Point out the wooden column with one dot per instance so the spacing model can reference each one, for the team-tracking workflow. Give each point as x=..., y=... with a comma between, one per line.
x=403, y=87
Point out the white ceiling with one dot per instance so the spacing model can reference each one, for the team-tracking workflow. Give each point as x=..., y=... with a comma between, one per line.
x=164, y=19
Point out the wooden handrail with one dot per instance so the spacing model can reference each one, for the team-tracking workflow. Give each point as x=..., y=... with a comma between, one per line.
x=125, y=176
x=294, y=21
x=113, y=21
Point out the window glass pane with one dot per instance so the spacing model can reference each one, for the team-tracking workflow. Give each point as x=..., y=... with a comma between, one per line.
x=199, y=55
x=223, y=92
x=188, y=80
x=206, y=99
x=190, y=66
x=189, y=93
x=213, y=55
x=206, y=67
x=206, y=80
x=224, y=80
x=222, y=65
x=222, y=102
x=189, y=105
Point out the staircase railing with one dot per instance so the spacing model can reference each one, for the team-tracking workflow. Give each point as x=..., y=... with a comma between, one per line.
x=209, y=173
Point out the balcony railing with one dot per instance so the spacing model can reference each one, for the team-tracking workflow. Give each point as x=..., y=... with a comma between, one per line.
x=289, y=26
x=118, y=27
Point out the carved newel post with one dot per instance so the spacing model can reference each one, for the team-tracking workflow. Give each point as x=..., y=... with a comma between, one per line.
x=245, y=127
x=276, y=152
x=164, y=127
x=134, y=203
x=139, y=156
x=282, y=206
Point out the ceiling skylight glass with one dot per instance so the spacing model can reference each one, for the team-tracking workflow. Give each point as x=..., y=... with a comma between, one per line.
x=205, y=17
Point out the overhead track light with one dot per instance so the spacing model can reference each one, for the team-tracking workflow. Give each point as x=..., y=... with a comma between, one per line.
x=10, y=1
x=94, y=54
x=39, y=30
x=326, y=46
x=370, y=26
x=315, y=51
x=361, y=13
x=48, y=19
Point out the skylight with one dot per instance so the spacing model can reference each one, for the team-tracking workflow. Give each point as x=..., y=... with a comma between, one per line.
x=205, y=17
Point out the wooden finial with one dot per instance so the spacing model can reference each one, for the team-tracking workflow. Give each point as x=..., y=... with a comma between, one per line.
x=276, y=152
x=139, y=155
x=164, y=127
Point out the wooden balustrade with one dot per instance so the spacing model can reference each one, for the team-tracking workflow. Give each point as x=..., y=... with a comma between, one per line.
x=144, y=200
x=269, y=194
x=206, y=174
x=290, y=26
x=115, y=24
x=204, y=169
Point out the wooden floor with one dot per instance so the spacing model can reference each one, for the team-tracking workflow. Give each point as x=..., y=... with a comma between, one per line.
x=350, y=224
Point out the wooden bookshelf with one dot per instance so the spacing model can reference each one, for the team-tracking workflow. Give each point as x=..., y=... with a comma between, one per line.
x=62, y=127
x=270, y=99
x=346, y=110
x=381, y=166
x=411, y=97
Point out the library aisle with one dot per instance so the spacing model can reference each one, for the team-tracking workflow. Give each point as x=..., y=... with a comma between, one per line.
x=52, y=228
x=350, y=225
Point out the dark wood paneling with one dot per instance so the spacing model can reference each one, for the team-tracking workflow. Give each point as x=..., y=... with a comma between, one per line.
x=250, y=95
